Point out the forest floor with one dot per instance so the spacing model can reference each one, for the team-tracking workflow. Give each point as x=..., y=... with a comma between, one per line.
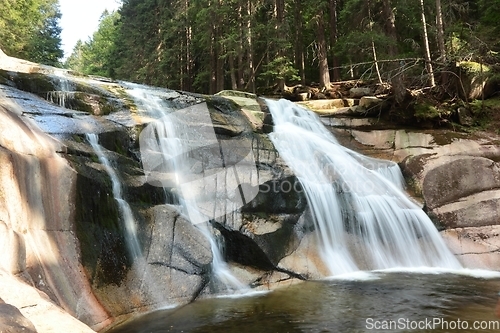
x=422, y=108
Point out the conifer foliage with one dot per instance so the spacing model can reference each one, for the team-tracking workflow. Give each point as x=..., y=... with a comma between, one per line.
x=29, y=29
x=209, y=45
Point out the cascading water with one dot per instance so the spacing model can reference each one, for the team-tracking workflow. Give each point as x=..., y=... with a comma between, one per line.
x=64, y=92
x=123, y=206
x=364, y=220
x=167, y=148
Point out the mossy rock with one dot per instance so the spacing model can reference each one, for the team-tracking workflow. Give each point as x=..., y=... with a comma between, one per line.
x=426, y=111
x=36, y=83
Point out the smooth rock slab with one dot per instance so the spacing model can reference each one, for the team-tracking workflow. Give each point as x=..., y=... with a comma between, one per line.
x=450, y=178
x=36, y=308
x=480, y=209
x=13, y=321
x=476, y=247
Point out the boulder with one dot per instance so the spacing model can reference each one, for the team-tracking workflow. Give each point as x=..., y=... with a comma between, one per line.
x=359, y=92
x=369, y=102
x=446, y=179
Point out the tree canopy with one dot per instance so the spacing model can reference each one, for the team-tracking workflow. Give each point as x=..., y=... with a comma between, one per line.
x=210, y=45
x=29, y=29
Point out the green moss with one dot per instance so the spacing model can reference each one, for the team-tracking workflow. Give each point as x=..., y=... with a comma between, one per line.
x=426, y=111
x=486, y=114
x=473, y=67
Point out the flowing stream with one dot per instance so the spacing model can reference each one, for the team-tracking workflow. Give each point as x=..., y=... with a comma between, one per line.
x=64, y=92
x=364, y=220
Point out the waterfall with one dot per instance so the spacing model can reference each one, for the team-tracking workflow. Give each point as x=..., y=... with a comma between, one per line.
x=65, y=90
x=363, y=218
x=123, y=206
x=174, y=150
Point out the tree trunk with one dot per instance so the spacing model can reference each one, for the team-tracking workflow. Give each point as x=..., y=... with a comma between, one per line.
x=251, y=80
x=333, y=38
x=440, y=31
x=324, y=73
x=189, y=56
x=397, y=79
x=240, y=80
x=220, y=64
x=428, y=64
x=232, y=70
x=299, y=49
x=374, y=50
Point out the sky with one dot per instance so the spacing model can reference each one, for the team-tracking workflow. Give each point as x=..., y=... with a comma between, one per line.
x=80, y=19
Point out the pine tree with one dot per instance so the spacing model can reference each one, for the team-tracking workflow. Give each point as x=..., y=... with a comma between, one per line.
x=30, y=29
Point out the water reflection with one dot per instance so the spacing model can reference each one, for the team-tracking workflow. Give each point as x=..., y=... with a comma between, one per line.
x=337, y=306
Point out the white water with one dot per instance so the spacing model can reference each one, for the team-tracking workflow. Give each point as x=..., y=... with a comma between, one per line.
x=364, y=220
x=123, y=206
x=64, y=90
x=166, y=144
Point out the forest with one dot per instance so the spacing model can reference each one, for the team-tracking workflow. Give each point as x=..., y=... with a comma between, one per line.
x=29, y=29
x=264, y=45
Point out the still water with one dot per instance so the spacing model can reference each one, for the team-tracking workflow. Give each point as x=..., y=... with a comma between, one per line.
x=380, y=302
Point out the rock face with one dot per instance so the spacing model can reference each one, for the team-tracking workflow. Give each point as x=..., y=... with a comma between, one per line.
x=38, y=240
x=62, y=233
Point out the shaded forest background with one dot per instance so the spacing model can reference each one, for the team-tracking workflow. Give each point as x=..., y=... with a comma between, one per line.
x=258, y=45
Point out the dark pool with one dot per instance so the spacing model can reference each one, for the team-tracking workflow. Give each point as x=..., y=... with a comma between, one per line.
x=382, y=302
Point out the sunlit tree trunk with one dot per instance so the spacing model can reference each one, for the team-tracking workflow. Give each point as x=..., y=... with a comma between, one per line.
x=440, y=31
x=279, y=52
x=240, y=79
x=299, y=47
x=427, y=54
x=251, y=80
x=189, y=57
x=374, y=50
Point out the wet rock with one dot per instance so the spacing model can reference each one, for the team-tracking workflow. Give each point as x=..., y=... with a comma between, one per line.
x=37, y=219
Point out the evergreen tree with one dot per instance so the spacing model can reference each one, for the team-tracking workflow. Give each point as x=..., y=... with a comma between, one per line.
x=30, y=29
x=209, y=45
x=44, y=46
x=96, y=55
